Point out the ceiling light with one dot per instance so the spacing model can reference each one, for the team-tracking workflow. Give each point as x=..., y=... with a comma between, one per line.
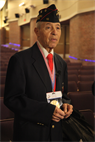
x=21, y=4
x=2, y=3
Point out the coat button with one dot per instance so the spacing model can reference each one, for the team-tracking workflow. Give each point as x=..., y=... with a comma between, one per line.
x=52, y=126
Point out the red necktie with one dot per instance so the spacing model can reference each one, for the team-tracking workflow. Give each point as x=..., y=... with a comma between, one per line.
x=50, y=61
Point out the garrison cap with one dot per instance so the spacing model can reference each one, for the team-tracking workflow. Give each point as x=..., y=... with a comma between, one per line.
x=49, y=14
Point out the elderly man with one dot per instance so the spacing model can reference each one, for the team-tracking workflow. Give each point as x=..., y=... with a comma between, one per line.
x=32, y=74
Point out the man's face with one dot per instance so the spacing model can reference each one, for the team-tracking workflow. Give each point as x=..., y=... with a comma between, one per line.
x=49, y=34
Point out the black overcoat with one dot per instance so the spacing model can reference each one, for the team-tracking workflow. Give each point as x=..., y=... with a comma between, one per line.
x=27, y=82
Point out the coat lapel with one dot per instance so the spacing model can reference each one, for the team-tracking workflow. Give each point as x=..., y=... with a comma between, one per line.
x=40, y=67
x=58, y=73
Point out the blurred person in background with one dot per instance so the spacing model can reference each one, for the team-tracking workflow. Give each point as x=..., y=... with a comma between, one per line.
x=93, y=88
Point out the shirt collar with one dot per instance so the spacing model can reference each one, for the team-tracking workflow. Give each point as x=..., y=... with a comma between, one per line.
x=45, y=52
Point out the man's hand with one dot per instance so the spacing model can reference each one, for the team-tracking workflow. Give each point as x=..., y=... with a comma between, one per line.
x=68, y=109
x=58, y=114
